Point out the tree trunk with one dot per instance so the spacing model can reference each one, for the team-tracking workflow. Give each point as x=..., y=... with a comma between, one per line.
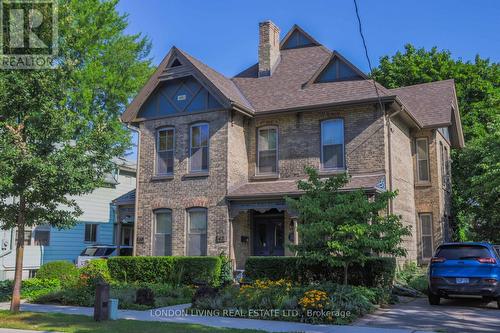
x=346, y=266
x=18, y=276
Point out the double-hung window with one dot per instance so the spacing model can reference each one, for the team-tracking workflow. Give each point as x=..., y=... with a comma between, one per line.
x=423, y=174
x=165, y=151
x=426, y=234
x=199, y=137
x=197, y=232
x=267, y=150
x=163, y=233
x=332, y=144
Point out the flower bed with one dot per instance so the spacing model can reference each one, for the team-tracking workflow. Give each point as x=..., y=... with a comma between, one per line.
x=284, y=300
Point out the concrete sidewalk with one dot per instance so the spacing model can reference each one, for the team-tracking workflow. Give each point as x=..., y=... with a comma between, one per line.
x=13, y=330
x=175, y=314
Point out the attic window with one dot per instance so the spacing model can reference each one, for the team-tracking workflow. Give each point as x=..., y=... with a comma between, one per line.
x=297, y=39
x=176, y=63
x=337, y=70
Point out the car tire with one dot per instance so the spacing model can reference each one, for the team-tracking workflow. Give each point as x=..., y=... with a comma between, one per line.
x=433, y=298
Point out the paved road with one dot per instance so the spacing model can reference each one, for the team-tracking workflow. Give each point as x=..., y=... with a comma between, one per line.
x=452, y=316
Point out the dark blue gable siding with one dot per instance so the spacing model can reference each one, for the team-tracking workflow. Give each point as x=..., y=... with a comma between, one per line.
x=176, y=96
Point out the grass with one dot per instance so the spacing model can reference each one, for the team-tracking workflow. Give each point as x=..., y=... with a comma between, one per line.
x=83, y=324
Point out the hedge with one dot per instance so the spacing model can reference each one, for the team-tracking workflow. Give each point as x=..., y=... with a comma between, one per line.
x=170, y=270
x=62, y=270
x=376, y=272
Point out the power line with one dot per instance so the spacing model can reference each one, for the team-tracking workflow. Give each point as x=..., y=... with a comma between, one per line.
x=366, y=52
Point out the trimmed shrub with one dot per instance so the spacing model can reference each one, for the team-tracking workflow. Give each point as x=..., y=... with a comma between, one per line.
x=376, y=272
x=170, y=270
x=6, y=290
x=93, y=272
x=226, y=271
x=33, y=288
x=64, y=271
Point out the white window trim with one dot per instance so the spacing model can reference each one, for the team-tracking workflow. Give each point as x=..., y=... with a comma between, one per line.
x=428, y=160
x=422, y=234
x=188, y=227
x=258, y=151
x=158, y=150
x=190, y=168
x=322, y=167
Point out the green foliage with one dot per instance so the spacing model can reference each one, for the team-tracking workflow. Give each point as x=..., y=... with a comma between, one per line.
x=413, y=276
x=64, y=271
x=33, y=288
x=475, y=168
x=94, y=272
x=344, y=302
x=67, y=296
x=339, y=228
x=170, y=270
x=5, y=290
x=376, y=271
x=226, y=272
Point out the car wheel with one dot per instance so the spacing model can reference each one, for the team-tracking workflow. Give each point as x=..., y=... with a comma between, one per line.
x=433, y=298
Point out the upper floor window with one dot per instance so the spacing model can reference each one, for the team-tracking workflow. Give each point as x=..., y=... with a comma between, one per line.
x=332, y=144
x=423, y=174
x=42, y=235
x=197, y=232
x=199, y=135
x=162, y=245
x=267, y=150
x=165, y=151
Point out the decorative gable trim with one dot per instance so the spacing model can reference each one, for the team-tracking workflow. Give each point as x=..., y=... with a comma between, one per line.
x=335, y=57
x=291, y=32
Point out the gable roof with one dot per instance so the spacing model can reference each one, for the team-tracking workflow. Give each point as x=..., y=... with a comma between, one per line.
x=222, y=87
x=335, y=55
x=297, y=32
x=433, y=104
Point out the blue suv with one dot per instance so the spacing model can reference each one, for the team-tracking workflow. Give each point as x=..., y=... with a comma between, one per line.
x=465, y=269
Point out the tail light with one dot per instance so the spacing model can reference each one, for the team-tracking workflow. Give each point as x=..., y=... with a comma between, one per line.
x=487, y=260
x=490, y=281
x=438, y=259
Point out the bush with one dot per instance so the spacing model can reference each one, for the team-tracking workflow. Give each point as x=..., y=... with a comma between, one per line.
x=70, y=296
x=169, y=270
x=164, y=295
x=413, y=276
x=33, y=288
x=94, y=272
x=5, y=290
x=64, y=271
x=226, y=271
x=377, y=271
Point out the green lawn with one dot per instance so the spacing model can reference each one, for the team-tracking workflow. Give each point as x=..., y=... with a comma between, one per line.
x=83, y=324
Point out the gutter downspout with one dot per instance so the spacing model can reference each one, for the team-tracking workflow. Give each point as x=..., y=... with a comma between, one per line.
x=389, y=152
x=138, y=131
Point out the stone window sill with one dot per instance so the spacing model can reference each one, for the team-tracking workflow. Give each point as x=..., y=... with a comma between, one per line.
x=273, y=176
x=423, y=184
x=162, y=177
x=196, y=175
x=331, y=172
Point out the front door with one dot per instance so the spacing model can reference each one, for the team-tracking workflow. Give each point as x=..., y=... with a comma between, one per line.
x=268, y=234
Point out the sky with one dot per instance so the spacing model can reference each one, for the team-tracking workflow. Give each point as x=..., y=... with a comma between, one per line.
x=224, y=33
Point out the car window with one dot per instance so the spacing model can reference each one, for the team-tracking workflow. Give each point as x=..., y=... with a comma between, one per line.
x=104, y=251
x=497, y=248
x=126, y=251
x=463, y=252
x=90, y=251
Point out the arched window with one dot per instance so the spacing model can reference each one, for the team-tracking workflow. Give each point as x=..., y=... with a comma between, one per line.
x=162, y=243
x=198, y=147
x=267, y=150
x=197, y=232
x=332, y=144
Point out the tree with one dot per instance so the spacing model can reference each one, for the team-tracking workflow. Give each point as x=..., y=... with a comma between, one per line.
x=60, y=128
x=340, y=228
x=475, y=168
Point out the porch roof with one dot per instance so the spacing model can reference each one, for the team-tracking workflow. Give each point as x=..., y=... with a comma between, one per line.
x=125, y=199
x=280, y=188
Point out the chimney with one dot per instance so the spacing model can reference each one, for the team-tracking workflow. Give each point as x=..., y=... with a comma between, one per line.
x=269, y=47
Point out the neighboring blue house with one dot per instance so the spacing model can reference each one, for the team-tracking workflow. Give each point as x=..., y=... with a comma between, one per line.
x=97, y=225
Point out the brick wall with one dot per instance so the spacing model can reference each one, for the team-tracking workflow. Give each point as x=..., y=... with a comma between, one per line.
x=181, y=192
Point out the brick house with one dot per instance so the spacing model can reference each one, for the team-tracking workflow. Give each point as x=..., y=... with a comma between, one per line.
x=217, y=155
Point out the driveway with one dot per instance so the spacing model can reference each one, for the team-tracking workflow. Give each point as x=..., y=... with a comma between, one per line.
x=453, y=315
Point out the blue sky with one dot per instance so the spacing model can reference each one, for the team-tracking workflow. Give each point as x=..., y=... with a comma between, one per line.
x=224, y=33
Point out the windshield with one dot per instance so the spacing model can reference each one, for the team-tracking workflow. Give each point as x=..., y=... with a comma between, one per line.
x=463, y=252
x=97, y=251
